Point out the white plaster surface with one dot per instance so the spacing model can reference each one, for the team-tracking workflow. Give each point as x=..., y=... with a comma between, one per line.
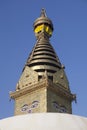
x=44, y=121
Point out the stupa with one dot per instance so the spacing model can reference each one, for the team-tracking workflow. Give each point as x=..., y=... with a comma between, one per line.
x=43, y=99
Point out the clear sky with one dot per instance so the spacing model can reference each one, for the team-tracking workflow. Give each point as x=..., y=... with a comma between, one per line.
x=17, y=40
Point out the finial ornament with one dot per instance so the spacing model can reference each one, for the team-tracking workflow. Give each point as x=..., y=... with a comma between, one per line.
x=43, y=13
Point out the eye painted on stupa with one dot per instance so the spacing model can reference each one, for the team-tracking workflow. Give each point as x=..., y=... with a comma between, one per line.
x=34, y=104
x=29, y=108
x=55, y=105
x=24, y=108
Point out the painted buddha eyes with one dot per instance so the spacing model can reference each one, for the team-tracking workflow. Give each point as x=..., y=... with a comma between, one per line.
x=34, y=104
x=59, y=108
x=24, y=108
x=29, y=108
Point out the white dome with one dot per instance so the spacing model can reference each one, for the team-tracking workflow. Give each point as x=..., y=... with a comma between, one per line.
x=44, y=121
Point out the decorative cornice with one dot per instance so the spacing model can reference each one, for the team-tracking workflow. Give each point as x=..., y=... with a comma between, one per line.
x=60, y=90
x=28, y=89
x=45, y=83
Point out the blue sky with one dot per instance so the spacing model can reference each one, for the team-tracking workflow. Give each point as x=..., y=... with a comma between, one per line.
x=17, y=40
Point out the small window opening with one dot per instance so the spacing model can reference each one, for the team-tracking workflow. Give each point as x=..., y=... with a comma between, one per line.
x=50, y=77
x=39, y=77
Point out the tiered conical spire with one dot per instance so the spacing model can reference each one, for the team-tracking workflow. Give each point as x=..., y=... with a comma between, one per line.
x=43, y=57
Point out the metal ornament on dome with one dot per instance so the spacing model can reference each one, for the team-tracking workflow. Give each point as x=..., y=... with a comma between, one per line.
x=43, y=13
